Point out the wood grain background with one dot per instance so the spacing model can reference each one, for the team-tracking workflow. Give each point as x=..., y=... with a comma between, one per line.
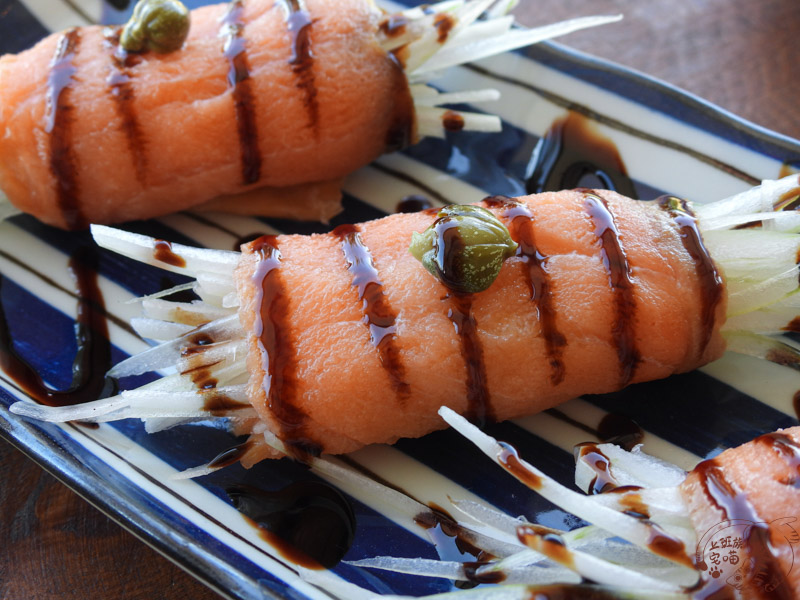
x=739, y=54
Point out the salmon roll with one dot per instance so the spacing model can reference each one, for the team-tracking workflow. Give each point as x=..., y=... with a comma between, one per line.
x=330, y=342
x=262, y=109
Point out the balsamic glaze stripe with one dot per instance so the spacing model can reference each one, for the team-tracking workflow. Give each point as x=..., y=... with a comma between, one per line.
x=712, y=287
x=120, y=85
x=299, y=24
x=615, y=261
x=50, y=280
x=614, y=123
x=244, y=101
x=521, y=225
x=59, y=119
x=379, y=316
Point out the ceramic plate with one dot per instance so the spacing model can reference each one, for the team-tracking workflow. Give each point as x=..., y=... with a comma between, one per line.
x=666, y=140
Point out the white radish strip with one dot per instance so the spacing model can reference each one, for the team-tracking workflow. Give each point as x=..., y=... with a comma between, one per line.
x=230, y=300
x=746, y=251
x=594, y=568
x=481, y=30
x=216, y=284
x=214, y=355
x=233, y=374
x=447, y=58
x=776, y=317
x=749, y=201
x=156, y=424
x=781, y=221
x=150, y=403
x=656, y=503
x=634, y=530
x=142, y=248
x=501, y=8
x=167, y=354
x=527, y=592
x=761, y=346
x=430, y=120
x=214, y=298
x=79, y=412
x=490, y=517
x=184, y=287
x=421, y=51
x=193, y=472
x=159, y=331
x=746, y=297
x=188, y=313
x=528, y=574
x=465, y=97
x=414, y=566
x=637, y=468
x=504, y=527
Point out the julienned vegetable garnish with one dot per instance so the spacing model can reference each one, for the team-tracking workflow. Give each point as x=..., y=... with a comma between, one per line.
x=262, y=110
x=157, y=25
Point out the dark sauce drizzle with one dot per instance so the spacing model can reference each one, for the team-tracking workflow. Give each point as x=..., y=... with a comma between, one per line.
x=231, y=455
x=413, y=203
x=509, y=459
x=59, y=117
x=452, y=121
x=119, y=84
x=449, y=247
x=393, y=25
x=571, y=151
x=521, y=228
x=479, y=408
x=616, y=264
x=621, y=430
x=310, y=523
x=444, y=24
x=550, y=544
x=631, y=499
x=593, y=457
x=299, y=22
x=788, y=450
x=734, y=506
x=243, y=97
x=162, y=251
x=711, y=284
x=454, y=543
x=279, y=359
x=379, y=316
x=93, y=358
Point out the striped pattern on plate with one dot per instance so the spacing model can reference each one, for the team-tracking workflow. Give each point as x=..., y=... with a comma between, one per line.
x=668, y=141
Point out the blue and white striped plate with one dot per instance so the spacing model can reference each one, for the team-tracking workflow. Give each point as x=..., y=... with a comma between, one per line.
x=669, y=142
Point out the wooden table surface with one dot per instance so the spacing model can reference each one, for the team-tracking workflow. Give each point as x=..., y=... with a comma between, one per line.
x=738, y=54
